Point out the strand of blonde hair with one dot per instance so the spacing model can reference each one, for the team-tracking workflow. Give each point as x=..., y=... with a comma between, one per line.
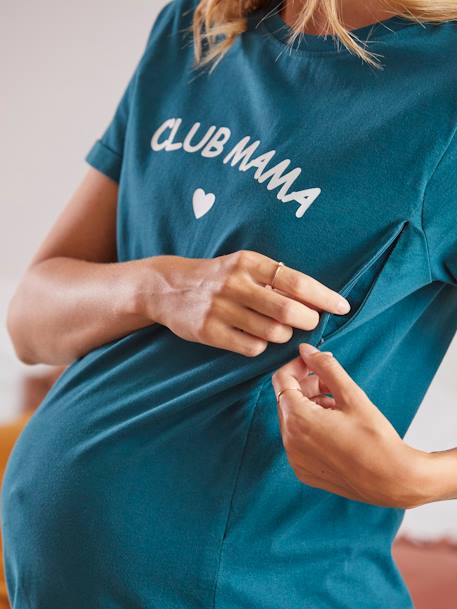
x=217, y=23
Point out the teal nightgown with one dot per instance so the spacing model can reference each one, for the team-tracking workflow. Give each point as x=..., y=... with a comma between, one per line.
x=153, y=474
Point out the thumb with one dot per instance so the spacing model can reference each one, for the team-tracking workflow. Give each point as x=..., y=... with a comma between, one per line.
x=343, y=388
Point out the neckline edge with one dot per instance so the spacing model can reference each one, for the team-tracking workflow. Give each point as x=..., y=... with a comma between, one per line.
x=268, y=19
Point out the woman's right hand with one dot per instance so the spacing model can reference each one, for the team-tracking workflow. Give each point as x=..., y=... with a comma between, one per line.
x=223, y=301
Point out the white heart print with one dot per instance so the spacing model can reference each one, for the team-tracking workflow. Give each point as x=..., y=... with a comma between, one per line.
x=202, y=202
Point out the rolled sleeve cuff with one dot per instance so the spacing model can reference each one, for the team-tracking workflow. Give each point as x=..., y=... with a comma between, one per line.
x=105, y=160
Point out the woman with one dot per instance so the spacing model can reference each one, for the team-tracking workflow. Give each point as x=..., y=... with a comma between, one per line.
x=174, y=464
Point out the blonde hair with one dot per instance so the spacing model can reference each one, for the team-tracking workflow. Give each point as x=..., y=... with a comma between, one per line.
x=227, y=19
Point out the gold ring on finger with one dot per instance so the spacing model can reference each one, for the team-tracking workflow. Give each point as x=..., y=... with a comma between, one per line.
x=287, y=389
x=271, y=284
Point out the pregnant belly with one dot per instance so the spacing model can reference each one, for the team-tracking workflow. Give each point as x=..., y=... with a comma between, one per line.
x=153, y=477
x=122, y=480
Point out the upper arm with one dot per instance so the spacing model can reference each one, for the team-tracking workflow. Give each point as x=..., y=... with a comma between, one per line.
x=86, y=227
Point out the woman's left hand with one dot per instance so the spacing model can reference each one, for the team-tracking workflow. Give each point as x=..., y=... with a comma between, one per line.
x=343, y=443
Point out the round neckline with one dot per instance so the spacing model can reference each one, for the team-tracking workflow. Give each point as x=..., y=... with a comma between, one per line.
x=268, y=19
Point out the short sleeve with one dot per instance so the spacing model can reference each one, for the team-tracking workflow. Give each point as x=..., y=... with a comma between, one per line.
x=107, y=151
x=440, y=217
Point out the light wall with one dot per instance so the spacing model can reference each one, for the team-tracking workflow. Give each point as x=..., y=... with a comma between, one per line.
x=64, y=67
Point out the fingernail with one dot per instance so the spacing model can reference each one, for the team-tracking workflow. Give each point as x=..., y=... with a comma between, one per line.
x=307, y=349
x=343, y=306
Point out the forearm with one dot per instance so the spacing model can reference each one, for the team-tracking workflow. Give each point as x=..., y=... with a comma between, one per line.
x=441, y=475
x=65, y=307
x=430, y=476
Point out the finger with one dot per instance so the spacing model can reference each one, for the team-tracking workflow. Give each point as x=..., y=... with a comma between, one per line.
x=295, y=367
x=334, y=376
x=310, y=384
x=313, y=384
x=324, y=401
x=295, y=373
x=299, y=285
x=294, y=407
x=257, y=324
x=288, y=376
x=282, y=308
x=322, y=386
x=233, y=339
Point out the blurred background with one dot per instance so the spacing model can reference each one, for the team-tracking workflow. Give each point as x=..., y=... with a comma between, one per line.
x=64, y=68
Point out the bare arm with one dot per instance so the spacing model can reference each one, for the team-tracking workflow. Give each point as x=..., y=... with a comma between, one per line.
x=74, y=296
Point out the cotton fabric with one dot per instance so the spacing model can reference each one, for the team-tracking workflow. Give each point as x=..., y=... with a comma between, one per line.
x=153, y=474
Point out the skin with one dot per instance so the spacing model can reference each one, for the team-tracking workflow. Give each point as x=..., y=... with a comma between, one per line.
x=75, y=296
x=343, y=443
x=354, y=14
x=335, y=438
